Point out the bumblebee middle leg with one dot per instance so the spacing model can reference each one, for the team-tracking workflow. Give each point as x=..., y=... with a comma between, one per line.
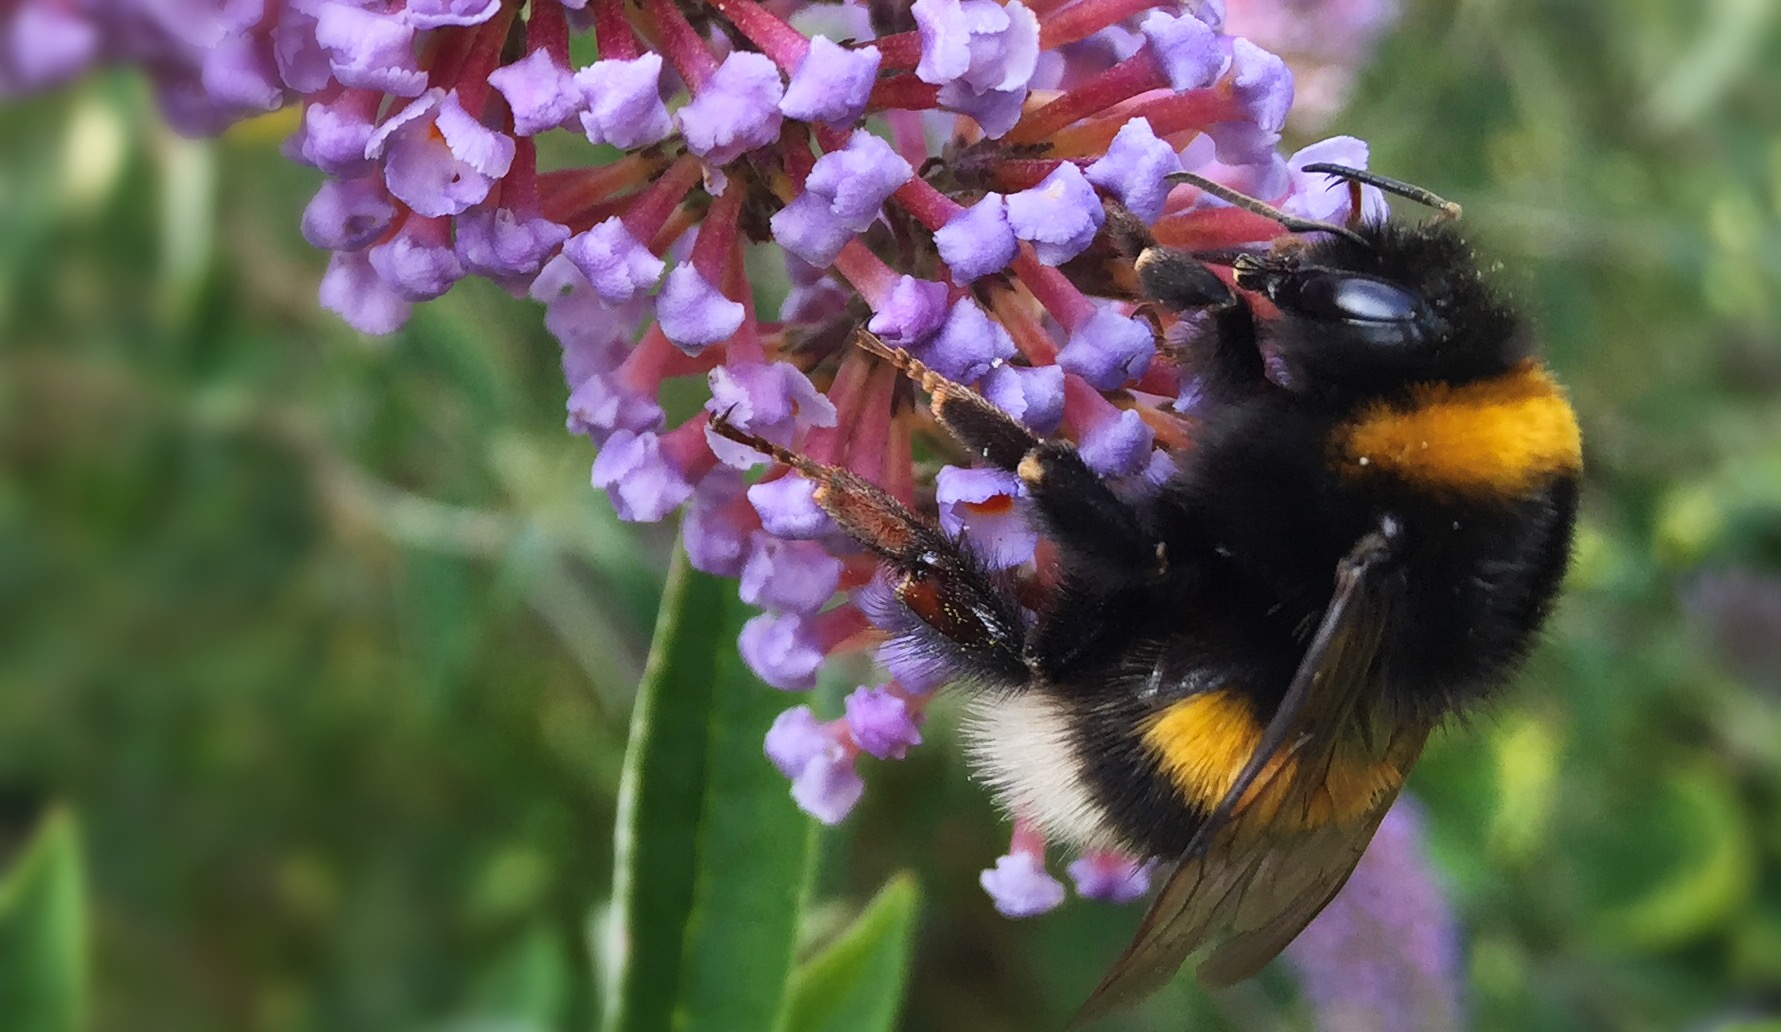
x=1081, y=513
x=961, y=612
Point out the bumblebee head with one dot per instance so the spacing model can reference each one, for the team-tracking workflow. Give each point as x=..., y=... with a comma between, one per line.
x=1383, y=308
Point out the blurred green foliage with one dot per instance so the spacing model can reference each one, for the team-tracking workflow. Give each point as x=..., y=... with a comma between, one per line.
x=330, y=650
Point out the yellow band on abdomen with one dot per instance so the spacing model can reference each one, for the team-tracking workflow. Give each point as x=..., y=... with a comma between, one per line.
x=1203, y=742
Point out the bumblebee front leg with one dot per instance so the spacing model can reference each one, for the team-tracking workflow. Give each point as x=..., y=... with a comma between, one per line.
x=1081, y=513
x=1224, y=354
x=962, y=614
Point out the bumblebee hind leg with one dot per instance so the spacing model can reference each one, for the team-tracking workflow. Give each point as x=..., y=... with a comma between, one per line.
x=958, y=614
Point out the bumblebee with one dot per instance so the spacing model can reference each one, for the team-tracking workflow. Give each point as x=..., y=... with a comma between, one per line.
x=1237, y=672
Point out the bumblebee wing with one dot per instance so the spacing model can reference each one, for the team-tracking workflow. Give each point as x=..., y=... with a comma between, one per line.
x=1310, y=869
x=1265, y=883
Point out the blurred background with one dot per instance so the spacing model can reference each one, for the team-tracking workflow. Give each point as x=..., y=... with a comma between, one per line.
x=328, y=647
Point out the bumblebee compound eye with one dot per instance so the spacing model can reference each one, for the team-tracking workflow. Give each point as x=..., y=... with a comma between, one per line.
x=1361, y=299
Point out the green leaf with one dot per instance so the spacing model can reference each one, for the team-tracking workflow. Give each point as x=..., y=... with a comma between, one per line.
x=856, y=984
x=43, y=936
x=713, y=857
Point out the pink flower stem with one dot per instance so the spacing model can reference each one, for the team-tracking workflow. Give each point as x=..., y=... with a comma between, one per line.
x=827, y=443
x=903, y=93
x=898, y=52
x=567, y=192
x=1012, y=174
x=929, y=206
x=1168, y=427
x=867, y=451
x=655, y=204
x=685, y=217
x=870, y=277
x=678, y=39
x=646, y=366
x=1168, y=114
x=796, y=156
x=778, y=40
x=443, y=54
x=1068, y=305
x=1027, y=838
x=840, y=629
x=717, y=238
x=618, y=40
x=745, y=344
x=1136, y=74
x=899, y=460
x=686, y=448
x=519, y=188
x=1208, y=229
x=1084, y=406
x=548, y=30
x=1030, y=338
x=483, y=57
x=1082, y=20
x=907, y=136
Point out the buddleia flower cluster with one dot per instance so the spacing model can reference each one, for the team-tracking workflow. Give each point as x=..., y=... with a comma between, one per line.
x=925, y=169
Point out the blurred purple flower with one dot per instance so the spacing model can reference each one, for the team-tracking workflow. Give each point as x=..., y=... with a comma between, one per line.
x=1110, y=876
x=1059, y=217
x=1018, y=884
x=881, y=722
x=1385, y=954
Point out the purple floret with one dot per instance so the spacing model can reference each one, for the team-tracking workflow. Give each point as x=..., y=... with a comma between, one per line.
x=880, y=722
x=1033, y=395
x=788, y=576
x=434, y=14
x=832, y=83
x=624, y=102
x=984, y=507
x=693, y=313
x=842, y=197
x=418, y=261
x=504, y=245
x=541, y=93
x=787, y=508
x=1020, y=886
x=978, y=240
x=1190, y=51
x=643, y=483
x=1118, y=445
x=1109, y=350
x=369, y=50
x=809, y=752
x=1134, y=169
x=437, y=159
x=913, y=309
x=616, y=263
x=1110, y=876
x=736, y=111
x=782, y=650
x=967, y=345
x=354, y=290
x=1060, y=216
x=347, y=214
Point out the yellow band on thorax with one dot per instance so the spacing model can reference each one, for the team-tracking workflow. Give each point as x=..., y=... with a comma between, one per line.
x=1503, y=436
x=1203, y=742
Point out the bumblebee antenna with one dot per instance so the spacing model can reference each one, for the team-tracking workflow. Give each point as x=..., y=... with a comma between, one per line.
x=1292, y=223
x=1446, y=210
